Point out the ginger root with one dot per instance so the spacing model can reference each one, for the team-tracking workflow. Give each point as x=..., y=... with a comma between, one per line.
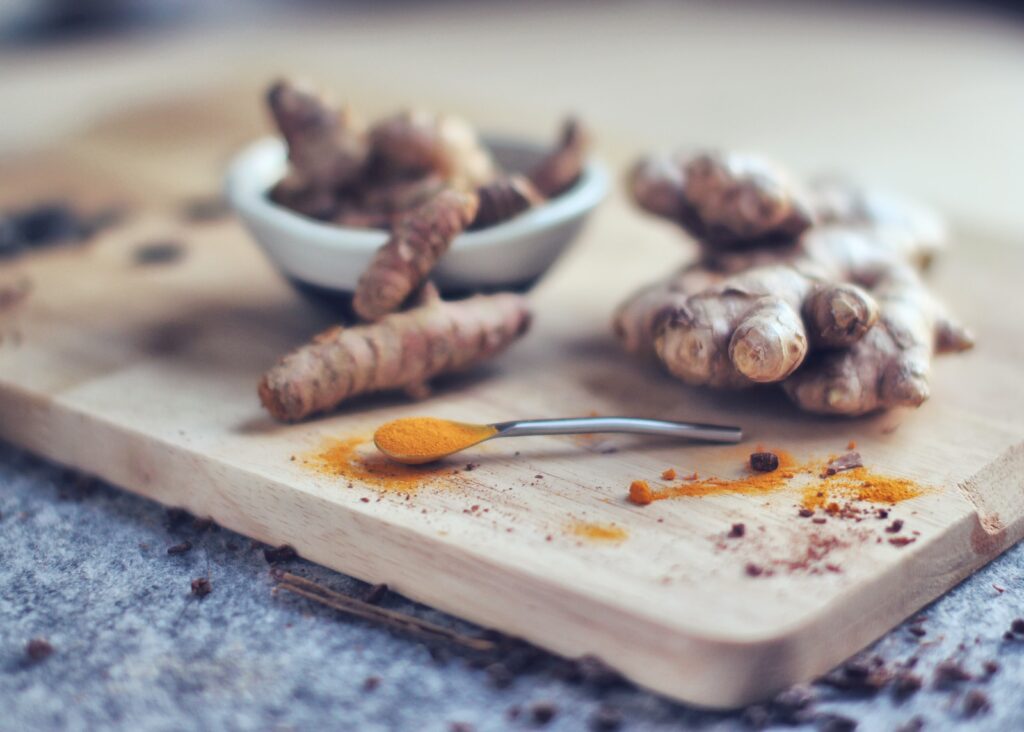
x=418, y=240
x=723, y=199
x=401, y=351
x=835, y=310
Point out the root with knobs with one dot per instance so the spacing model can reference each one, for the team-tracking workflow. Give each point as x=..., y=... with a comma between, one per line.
x=402, y=351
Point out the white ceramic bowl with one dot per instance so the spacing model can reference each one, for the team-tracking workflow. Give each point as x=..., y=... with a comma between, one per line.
x=511, y=254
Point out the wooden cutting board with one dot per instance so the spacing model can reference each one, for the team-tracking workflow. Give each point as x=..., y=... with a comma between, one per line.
x=145, y=376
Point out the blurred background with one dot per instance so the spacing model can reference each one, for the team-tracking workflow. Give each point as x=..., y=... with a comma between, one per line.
x=922, y=97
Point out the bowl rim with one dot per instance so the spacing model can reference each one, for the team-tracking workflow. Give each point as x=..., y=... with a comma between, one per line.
x=246, y=187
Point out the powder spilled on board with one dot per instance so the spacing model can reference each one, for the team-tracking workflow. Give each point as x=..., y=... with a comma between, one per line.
x=858, y=484
x=598, y=532
x=344, y=458
x=752, y=483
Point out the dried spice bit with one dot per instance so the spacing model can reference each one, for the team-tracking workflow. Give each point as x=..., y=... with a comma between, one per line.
x=737, y=531
x=504, y=198
x=561, y=168
x=543, y=712
x=991, y=668
x=158, y=252
x=181, y=548
x=905, y=685
x=902, y=541
x=418, y=241
x=461, y=727
x=882, y=513
x=805, y=513
x=829, y=722
x=283, y=553
x=668, y=474
x=1017, y=626
x=371, y=683
x=894, y=527
x=859, y=676
x=640, y=493
x=976, y=702
x=764, y=462
x=49, y=223
x=201, y=586
x=753, y=570
x=847, y=461
x=375, y=594
x=327, y=147
x=203, y=209
x=950, y=673
x=917, y=630
x=38, y=649
x=402, y=351
x=606, y=719
x=914, y=724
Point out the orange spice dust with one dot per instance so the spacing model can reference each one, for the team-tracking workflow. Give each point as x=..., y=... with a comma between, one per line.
x=823, y=492
x=859, y=484
x=344, y=458
x=598, y=532
x=750, y=484
x=417, y=440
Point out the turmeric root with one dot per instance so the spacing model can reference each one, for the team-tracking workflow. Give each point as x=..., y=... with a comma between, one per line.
x=560, y=168
x=327, y=146
x=401, y=351
x=418, y=240
x=421, y=141
x=504, y=198
x=723, y=199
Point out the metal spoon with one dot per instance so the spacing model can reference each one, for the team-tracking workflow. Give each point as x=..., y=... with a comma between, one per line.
x=474, y=434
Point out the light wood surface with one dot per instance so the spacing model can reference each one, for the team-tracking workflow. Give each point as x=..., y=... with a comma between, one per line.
x=146, y=377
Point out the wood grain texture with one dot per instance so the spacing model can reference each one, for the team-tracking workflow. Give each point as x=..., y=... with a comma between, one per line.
x=146, y=376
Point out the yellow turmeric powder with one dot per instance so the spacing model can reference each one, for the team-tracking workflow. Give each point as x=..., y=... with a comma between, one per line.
x=417, y=440
x=859, y=484
x=598, y=532
x=344, y=459
x=750, y=484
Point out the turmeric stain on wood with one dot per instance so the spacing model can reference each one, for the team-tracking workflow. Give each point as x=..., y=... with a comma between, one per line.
x=598, y=532
x=355, y=459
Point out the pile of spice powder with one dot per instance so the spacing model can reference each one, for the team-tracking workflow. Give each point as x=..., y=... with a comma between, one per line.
x=598, y=532
x=752, y=483
x=343, y=458
x=859, y=484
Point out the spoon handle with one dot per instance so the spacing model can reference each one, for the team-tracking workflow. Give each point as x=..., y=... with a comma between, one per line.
x=688, y=430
